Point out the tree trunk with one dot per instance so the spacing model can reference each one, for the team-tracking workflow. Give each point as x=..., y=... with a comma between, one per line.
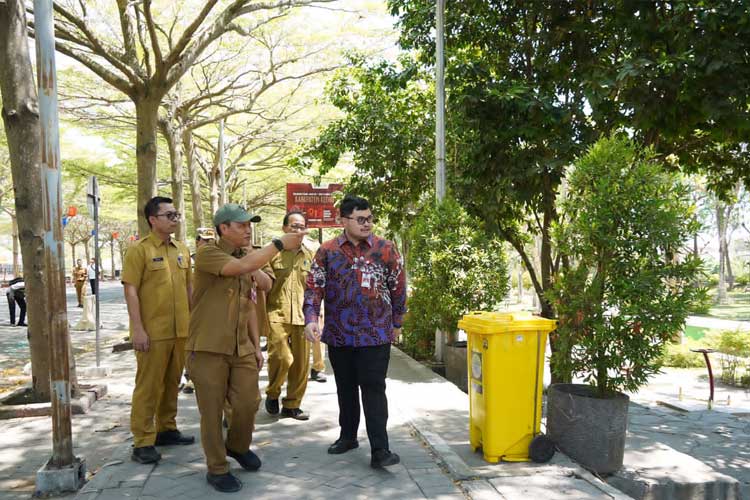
x=147, y=117
x=14, y=236
x=721, y=293
x=213, y=187
x=73, y=253
x=112, y=255
x=194, y=179
x=172, y=136
x=21, y=121
x=728, y=269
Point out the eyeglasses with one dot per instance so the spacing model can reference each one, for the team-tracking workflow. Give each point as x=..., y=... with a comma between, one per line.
x=300, y=227
x=173, y=216
x=363, y=220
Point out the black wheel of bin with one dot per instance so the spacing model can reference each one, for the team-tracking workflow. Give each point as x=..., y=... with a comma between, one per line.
x=541, y=449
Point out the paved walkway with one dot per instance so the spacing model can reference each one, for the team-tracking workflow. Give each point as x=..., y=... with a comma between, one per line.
x=428, y=428
x=718, y=323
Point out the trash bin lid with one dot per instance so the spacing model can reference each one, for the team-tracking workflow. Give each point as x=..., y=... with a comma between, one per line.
x=488, y=323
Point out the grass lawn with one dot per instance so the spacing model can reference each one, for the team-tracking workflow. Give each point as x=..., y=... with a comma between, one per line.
x=738, y=308
x=695, y=332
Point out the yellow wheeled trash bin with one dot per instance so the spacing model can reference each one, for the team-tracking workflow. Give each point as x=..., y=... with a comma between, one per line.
x=505, y=354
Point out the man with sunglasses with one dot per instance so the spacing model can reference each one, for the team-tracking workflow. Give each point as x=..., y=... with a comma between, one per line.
x=157, y=279
x=288, y=350
x=361, y=278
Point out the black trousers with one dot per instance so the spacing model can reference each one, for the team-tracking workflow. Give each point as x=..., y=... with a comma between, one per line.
x=20, y=299
x=362, y=369
x=93, y=286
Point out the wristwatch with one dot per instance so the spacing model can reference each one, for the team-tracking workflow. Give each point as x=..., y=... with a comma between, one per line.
x=278, y=244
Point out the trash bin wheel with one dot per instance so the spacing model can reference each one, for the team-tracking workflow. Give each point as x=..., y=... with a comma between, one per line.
x=541, y=449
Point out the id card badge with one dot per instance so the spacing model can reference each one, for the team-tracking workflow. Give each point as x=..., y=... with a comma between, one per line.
x=365, y=283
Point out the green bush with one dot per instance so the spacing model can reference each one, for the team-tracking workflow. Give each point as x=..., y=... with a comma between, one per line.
x=734, y=345
x=712, y=280
x=625, y=291
x=680, y=356
x=703, y=302
x=741, y=281
x=453, y=268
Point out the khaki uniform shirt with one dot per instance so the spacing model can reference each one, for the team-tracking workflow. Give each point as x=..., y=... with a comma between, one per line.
x=263, y=326
x=161, y=273
x=79, y=274
x=290, y=269
x=220, y=303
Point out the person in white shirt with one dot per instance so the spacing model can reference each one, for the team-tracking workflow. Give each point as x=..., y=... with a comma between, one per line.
x=91, y=274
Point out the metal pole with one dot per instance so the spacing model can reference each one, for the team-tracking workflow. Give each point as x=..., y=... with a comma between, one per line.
x=54, y=258
x=222, y=180
x=440, y=101
x=97, y=256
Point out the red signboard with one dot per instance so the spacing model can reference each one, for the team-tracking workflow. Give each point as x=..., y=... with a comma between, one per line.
x=316, y=202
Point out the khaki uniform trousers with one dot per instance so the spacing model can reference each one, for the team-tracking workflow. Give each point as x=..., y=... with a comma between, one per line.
x=79, y=291
x=157, y=381
x=317, y=354
x=288, y=361
x=220, y=378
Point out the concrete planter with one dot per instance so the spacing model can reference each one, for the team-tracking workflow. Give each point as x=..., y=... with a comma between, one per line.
x=589, y=430
x=456, y=366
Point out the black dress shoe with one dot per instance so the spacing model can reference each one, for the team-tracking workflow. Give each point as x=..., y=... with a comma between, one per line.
x=22, y=324
x=294, y=413
x=145, y=455
x=342, y=446
x=317, y=376
x=175, y=437
x=383, y=458
x=272, y=406
x=248, y=460
x=225, y=483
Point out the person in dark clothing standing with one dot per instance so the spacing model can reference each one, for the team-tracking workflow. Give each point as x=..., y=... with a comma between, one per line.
x=361, y=278
x=16, y=294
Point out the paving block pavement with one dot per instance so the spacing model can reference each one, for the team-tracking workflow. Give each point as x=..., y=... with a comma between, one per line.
x=428, y=426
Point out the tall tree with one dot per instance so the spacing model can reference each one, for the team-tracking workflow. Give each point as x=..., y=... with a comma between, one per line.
x=22, y=129
x=149, y=57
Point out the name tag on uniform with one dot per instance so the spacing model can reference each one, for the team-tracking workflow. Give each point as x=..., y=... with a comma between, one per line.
x=158, y=259
x=179, y=259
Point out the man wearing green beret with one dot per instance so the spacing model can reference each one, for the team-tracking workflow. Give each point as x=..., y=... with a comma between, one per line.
x=223, y=356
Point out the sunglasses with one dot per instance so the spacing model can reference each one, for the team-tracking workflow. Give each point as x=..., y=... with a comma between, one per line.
x=173, y=216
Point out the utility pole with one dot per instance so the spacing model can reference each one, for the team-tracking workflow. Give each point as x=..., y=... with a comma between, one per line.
x=222, y=180
x=440, y=100
x=440, y=337
x=97, y=265
x=63, y=472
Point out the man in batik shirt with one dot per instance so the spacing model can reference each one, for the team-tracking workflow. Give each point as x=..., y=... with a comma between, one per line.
x=361, y=279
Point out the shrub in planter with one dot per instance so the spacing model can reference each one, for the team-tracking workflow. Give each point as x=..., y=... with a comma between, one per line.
x=453, y=268
x=625, y=291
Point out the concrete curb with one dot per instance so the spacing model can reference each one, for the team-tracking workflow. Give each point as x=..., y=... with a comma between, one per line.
x=79, y=405
x=474, y=482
